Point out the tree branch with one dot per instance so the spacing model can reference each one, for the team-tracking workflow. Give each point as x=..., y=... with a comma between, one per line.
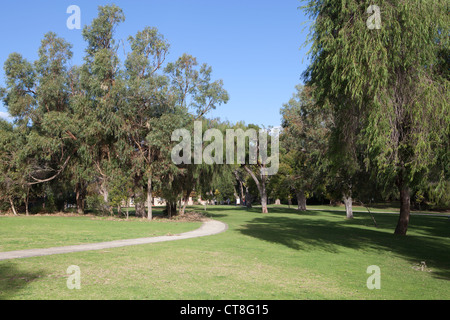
x=37, y=181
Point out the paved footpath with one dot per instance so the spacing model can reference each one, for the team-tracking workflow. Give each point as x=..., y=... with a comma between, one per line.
x=208, y=228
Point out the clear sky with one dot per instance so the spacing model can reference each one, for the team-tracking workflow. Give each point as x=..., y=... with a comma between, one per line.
x=254, y=46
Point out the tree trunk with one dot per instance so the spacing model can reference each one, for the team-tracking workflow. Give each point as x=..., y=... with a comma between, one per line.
x=301, y=200
x=171, y=208
x=405, y=210
x=263, y=193
x=140, y=208
x=241, y=194
x=185, y=199
x=12, y=206
x=348, y=206
x=248, y=199
x=261, y=188
x=104, y=192
x=149, y=199
x=27, y=200
x=241, y=188
x=139, y=200
x=79, y=195
x=168, y=209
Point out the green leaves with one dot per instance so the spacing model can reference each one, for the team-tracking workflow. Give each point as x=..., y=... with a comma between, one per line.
x=304, y=141
x=19, y=95
x=193, y=86
x=104, y=119
x=386, y=87
x=99, y=34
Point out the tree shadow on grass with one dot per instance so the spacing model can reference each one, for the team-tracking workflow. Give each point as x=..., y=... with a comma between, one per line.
x=13, y=280
x=310, y=234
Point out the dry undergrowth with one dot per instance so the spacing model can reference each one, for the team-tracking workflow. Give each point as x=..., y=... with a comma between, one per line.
x=189, y=216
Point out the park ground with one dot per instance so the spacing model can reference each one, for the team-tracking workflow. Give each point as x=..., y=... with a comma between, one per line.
x=283, y=255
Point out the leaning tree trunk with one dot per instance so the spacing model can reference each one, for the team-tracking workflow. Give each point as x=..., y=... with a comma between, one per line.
x=104, y=191
x=261, y=188
x=405, y=210
x=348, y=206
x=301, y=200
x=185, y=202
x=11, y=202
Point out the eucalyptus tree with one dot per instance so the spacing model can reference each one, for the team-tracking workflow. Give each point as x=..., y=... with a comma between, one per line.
x=102, y=95
x=11, y=174
x=383, y=80
x=92, y=123
x=193, y=87
x=306, y=130
x=37, y=97
x=147, y=99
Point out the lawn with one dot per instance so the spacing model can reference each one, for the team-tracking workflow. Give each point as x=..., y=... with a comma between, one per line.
x=19, y=233
x=285, y=254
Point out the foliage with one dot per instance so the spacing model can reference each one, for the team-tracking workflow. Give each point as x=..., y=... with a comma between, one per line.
x=385, y=86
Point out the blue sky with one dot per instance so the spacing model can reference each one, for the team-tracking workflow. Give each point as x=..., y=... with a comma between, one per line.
x=254, y=46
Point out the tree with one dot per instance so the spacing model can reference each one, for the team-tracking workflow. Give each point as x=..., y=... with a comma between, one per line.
x=193, y=87
x=384, y=81
x=306, y=129
x=37, y=97
x=120, y=189
x=148, y=99
x=255, y=159
x=104, y=124
x=11, y=179
x=195, y=95
x=102, y=96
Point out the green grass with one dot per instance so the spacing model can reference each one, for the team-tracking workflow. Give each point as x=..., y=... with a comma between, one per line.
x=19, y=233
x=285, y=254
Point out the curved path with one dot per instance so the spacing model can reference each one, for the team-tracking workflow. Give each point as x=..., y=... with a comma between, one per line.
x=208, y=228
